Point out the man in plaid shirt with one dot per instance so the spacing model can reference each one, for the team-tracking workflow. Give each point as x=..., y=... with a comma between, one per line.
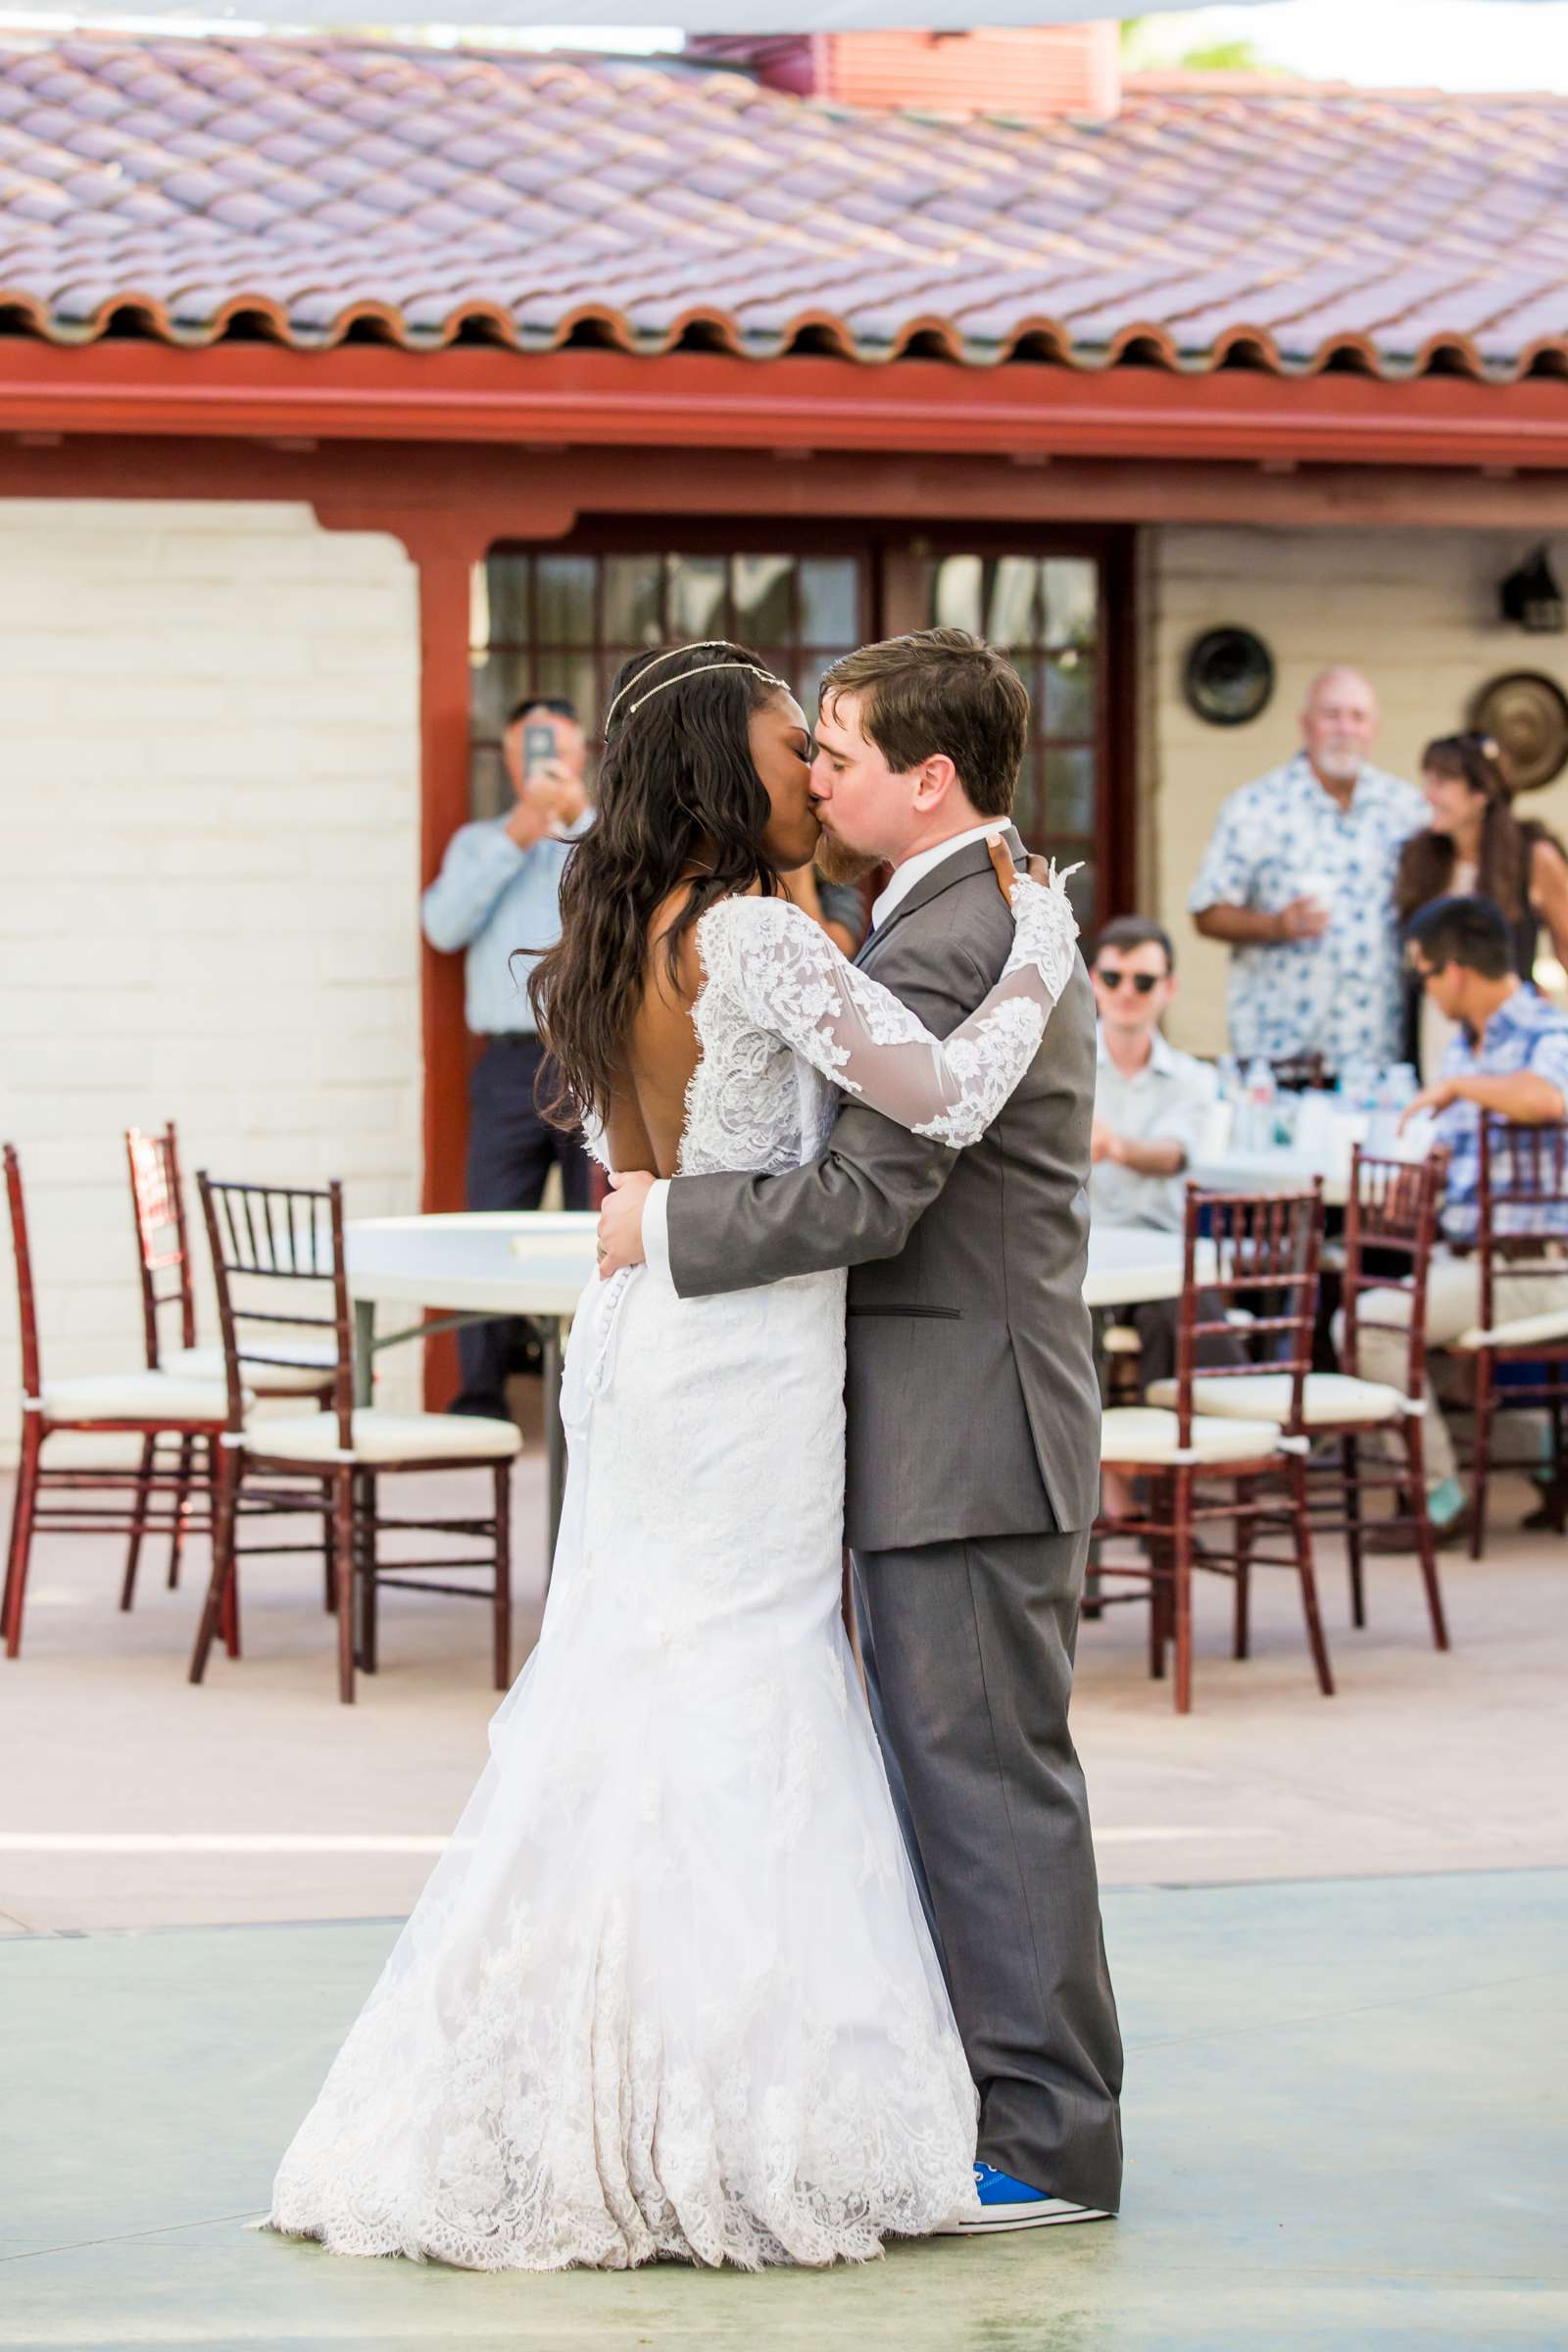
x=1510, y=1058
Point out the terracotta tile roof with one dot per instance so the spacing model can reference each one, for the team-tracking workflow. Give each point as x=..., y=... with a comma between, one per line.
x=310, y=190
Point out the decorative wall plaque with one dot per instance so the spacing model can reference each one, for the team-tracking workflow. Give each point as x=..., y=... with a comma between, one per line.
x=1528, y=713
x=1228, y=677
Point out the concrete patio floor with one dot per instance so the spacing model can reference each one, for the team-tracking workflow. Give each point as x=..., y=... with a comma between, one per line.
x=130, y=1798
x=1335, y=1926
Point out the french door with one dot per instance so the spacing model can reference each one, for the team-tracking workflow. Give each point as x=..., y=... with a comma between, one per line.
x=560, y=619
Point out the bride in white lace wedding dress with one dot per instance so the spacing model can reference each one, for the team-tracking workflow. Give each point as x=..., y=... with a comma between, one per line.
x=670, y=1991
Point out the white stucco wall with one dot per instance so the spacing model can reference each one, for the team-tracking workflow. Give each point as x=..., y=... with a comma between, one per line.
x=209, y=774
x=1416, y=609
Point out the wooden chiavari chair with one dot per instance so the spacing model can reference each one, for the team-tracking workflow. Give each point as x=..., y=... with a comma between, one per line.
x=1266, y=1248
x=270, y=1242
x=154, y=1404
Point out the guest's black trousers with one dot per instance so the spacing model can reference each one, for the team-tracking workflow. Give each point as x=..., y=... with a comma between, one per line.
x=512, y=1149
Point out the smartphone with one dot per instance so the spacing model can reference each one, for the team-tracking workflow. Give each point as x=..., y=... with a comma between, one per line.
x=538, y=748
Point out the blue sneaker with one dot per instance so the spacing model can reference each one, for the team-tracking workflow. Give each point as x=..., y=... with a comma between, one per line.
x=1009, y=2204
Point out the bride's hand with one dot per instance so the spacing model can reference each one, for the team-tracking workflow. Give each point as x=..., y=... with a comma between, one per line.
x=1037, y=869
x=620, y=1222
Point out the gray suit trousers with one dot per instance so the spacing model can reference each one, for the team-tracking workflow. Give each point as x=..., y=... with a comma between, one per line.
x=969, y=1656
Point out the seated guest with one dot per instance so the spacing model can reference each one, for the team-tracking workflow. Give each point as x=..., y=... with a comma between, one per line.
x=1509, y=1055
x=1152, y=1106
x=1475, y=843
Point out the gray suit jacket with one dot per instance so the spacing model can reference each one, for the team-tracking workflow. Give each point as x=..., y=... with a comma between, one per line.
x=973, y=1405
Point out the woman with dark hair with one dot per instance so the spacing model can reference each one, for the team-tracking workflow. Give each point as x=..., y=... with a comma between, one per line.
x=1475, y=846
x=672, y=1991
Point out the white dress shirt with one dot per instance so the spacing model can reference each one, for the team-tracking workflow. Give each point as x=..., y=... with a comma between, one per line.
x=655, y=1209
x=1169, y=1101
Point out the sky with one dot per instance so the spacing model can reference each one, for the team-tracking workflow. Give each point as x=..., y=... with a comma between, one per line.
x=1449, y=44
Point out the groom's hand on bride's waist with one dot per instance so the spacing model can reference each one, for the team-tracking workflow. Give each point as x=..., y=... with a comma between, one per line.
x=620, y=1222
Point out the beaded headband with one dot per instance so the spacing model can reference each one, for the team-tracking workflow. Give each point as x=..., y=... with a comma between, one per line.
x=756, y=668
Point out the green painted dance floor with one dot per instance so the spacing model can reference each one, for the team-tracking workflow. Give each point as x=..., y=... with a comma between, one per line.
x=1345, y=2121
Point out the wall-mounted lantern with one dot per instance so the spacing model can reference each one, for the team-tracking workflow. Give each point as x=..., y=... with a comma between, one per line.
x=1531, y=598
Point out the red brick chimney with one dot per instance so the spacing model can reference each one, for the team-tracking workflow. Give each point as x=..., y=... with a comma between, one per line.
x=1033, y=73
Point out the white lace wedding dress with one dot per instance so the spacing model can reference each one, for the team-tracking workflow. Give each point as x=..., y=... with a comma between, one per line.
x=670, y=1991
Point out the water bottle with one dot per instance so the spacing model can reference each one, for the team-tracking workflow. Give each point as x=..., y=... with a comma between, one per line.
x=1259, y=1105
x=1383, y=1121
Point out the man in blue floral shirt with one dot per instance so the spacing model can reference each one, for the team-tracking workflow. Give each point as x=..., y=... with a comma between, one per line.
x=1299, y=881
x=1510, y=1058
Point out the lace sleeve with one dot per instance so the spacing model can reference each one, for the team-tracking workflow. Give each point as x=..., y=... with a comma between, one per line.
x=793, y=982
x=595, y=1140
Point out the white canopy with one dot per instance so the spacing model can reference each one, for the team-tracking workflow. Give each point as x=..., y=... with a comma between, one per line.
x=692, y=16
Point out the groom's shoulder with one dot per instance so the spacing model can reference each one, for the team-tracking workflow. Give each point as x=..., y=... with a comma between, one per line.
x=967, y=914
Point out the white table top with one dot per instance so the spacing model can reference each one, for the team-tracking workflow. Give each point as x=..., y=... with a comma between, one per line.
x=517, y=1264
x=1276, y=1171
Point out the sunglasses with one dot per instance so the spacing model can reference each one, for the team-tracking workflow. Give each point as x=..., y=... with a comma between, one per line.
x=1143, y=982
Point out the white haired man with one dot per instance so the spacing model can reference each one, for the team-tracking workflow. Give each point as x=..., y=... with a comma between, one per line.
x=1298, y=880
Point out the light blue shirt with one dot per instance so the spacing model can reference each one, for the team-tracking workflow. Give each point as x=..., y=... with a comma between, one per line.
x=498, y=901
x=1525, y=1033
x=1273, y=840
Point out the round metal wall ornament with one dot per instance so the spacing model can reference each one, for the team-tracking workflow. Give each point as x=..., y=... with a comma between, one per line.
x=1528, y=713
x=1228, y=676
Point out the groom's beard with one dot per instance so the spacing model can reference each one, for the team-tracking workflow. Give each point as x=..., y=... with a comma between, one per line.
x=840, y=863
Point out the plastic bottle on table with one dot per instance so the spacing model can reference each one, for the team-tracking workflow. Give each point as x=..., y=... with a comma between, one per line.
x=1259, y=1105
x=1383, y=1121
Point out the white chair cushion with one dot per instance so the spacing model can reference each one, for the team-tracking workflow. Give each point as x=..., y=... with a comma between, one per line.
x=311, y=1366
x=134, y=1397
x=387, y=1437
x=1330, y=1397
x=1144, y=1438
x=1120, y=1339
x=1527, y=1332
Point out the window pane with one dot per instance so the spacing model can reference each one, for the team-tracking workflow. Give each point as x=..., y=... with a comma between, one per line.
x=631, y=600
x=1083, y=896
x=955, y=592
x=696, y=597
x=808, y=683
x=493, y=687
x=1067, y=692
x=1029, y=805
x=830, y=600
x=507, y=595
x=1011, y=603
x=490, y=793
x=496, y=686
x=763, y=615
x=1069, y=592
x=565, y=600
x=574, y=675
x=1071, y=789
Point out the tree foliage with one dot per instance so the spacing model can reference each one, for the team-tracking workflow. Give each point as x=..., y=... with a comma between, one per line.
x=1147, y=44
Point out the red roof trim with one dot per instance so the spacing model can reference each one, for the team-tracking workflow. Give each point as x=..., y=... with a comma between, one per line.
x=1146, y=341
x=362, y=392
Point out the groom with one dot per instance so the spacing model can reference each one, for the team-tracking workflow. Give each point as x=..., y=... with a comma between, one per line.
x=973, y=1454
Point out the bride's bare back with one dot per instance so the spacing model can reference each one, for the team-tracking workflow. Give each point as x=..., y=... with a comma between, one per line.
x=661, y=1052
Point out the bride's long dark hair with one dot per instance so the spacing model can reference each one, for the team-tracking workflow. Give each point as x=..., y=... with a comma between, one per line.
x=679, y=798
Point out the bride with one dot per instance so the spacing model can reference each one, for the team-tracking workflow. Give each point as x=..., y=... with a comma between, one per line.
x=670, y=1991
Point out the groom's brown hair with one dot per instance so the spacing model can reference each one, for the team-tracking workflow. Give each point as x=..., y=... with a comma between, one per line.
x=941, y=691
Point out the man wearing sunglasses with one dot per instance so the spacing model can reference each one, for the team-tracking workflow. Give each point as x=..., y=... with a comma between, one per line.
x=1152, y=1106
